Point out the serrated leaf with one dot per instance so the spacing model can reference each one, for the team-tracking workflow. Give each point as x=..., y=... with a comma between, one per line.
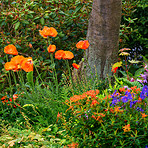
x=118, y=64
x=131, y=84
x=17, y=25
x=139, y=71
x=134, y=61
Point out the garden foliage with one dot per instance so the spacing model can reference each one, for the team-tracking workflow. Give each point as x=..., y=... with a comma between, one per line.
x=41, y=105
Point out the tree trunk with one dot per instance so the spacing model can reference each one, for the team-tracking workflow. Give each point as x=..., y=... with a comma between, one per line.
x=103, y=36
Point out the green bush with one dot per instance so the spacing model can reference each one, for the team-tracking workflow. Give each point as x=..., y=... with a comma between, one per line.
x=133, y=33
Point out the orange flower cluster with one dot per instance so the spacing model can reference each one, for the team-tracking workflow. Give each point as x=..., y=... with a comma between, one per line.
x=48, y=31
x=98, y=116
x=82, y=44
x=61, y=54
x=94, y=103
x=90, y=93
x=126, y=128
x=5, y=100
x=133, y=89
x=89, y=96
x=144, y=115
x=72, y=145
x=19, y=62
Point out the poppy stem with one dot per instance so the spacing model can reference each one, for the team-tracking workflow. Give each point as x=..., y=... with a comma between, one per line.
x=54, y=72
x=67, y=64
x=14, y=76
x=9, y=78
x=39, y=76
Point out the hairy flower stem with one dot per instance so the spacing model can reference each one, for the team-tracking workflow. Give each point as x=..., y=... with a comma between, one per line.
x=13, y=73
x=55, y=78
x=9, y=78
x=126, y=68
x=39, y=76
x=67, y=64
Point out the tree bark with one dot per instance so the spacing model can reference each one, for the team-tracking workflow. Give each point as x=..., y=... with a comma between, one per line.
x=103, y=36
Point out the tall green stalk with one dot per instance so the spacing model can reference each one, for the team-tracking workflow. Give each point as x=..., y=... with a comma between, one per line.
x=9, y=79
x=54, y=73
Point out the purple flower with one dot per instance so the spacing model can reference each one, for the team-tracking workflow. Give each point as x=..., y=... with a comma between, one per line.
x=89, y=110
x=139, y=80
x=144, y=92
x=127, y=97
x=132, y=80
x=139, y=109
x=114, y=93
x=126, y=87
x=86, y=116
x=132, y=103
x=146, y=146
x=124, y=99
x=145, y=77
x=115, y=99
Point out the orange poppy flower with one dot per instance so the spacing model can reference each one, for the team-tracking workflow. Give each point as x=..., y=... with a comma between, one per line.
x=27, y=64
x=17, y=60
x=10, y=66
x=11, y=49
x=82, y=44
x=41, y=33
x=51, y=48
x=59, y=54
x=68, y=55
x=48, y=31
x=76, y=65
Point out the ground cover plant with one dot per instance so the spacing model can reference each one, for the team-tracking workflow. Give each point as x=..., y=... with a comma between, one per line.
x=55, y=110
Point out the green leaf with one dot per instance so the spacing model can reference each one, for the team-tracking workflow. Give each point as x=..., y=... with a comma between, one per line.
x=25, y=22
x=130, y=84
x=138, y=72
x=30, y=78
x=17, y=25
x=77, y=9
x=42, y=20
